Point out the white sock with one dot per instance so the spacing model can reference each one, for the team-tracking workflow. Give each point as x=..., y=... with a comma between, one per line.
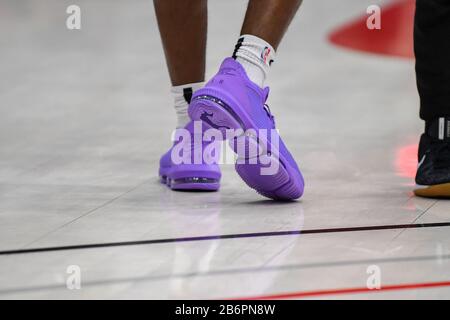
x=182, y=97
x=256, y=56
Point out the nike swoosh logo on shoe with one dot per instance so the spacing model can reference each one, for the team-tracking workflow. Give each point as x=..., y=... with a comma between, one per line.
x=421, y=161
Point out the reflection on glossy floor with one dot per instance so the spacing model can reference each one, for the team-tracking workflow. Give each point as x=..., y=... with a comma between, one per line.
x=86, y=114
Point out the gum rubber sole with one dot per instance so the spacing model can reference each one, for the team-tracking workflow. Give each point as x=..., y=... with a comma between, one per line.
x=435, y=191
x=277, y=186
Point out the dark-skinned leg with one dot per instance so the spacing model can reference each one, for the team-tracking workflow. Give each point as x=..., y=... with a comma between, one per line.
x=183, y=28
x=265, y=24
x=269, y=19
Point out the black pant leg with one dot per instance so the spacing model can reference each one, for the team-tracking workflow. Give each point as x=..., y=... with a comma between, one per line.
x=432, y=49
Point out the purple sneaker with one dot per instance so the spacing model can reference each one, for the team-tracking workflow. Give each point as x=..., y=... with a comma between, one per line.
x=230, y=100
x=198, y=171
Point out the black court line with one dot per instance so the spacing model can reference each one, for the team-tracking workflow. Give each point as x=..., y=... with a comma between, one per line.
x=225, y=236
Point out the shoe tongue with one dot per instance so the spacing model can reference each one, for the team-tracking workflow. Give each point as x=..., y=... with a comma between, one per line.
x=229, y=64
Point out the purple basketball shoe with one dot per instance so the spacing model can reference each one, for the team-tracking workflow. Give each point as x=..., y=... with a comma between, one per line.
x=230, y=100
x=186, y=166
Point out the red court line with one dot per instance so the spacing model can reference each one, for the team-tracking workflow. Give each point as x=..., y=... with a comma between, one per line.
x=306, y=294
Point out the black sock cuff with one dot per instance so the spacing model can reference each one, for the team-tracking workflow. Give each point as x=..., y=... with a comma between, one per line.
x=438, y=128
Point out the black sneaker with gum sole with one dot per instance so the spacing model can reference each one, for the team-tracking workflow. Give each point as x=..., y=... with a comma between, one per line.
x=433, y=172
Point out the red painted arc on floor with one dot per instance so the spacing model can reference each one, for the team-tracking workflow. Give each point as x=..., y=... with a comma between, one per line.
x=309, y=294
x=395, y=38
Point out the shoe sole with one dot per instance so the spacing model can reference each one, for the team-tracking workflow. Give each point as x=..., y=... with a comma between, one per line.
x=435, y=191
x=191, y=183
x=279, y=186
